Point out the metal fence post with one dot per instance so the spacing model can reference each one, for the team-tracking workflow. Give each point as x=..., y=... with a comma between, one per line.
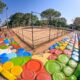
x=18, y=31
x=32, y=31
x=22, y=34
x=49, y=25
x=49, y=32
x=57, y=28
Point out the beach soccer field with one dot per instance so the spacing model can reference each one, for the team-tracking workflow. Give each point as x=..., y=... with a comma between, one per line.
x=37, y=36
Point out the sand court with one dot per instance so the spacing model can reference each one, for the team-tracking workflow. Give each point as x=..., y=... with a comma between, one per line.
x=37, y=36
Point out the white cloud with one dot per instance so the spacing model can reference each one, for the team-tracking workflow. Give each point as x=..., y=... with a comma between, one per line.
x=69, y=21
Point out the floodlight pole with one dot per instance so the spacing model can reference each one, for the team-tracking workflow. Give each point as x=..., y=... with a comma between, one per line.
x=7, y=17
x=57, y=27
x=0, y=25
x=32, y=31
x=0, y=21
x=49, y=28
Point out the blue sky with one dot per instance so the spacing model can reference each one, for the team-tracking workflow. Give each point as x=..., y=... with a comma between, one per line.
x=68, y=8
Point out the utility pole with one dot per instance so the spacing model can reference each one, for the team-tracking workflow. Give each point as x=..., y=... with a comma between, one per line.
x=7, y=17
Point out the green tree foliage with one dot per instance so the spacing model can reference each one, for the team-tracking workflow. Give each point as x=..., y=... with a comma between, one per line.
x=61, y=22
x=48, y=17
x=77, y=23
x=38, y=23
x=50, y=13
x=53, y=17
x=21, y=19
x=16, y=19
x=2, y=6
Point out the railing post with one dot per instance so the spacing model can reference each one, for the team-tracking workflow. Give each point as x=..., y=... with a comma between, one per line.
x=49, y=32
x=23, y=34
